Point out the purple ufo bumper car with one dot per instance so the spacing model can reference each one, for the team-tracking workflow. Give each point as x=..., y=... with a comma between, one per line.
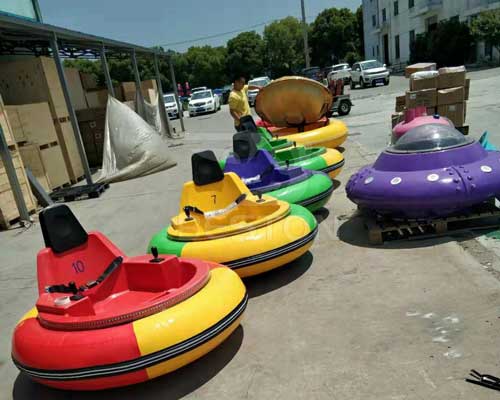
x=262, y=174
x=432, y=171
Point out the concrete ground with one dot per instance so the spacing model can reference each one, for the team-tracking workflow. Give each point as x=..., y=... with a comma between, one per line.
x=405, y=320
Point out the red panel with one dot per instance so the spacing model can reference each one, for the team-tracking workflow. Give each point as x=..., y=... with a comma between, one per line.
x=37, y=347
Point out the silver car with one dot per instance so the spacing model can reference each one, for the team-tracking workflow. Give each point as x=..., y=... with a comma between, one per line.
x=252, y=93
x=369, y=73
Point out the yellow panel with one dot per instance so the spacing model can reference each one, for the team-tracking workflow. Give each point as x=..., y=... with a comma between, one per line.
x=247, y=244
x=223, y=292
x=332, y=135
x=190, y=356
x=33, y=313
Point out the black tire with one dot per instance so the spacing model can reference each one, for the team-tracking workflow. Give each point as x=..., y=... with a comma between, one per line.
x=386, y=82
x=353, y=84
x=344, y=108
x=362, y=83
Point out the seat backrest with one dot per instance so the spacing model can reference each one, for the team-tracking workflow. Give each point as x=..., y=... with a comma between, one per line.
x=206, y=169
x=247, y=123
x=61, y=230
x=244, y=145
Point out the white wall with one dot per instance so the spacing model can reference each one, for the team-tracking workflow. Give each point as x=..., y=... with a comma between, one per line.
x=413, y=19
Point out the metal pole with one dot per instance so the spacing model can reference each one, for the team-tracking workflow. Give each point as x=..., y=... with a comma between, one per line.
x=71, y=110
x=161, y=100
x=107, y=75
x=304, y=31
x=137, y=77
x=174, y=84
x=11, y=174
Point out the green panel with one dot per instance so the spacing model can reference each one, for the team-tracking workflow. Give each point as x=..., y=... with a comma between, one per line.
x=166, y=245
x=296, y=193
x=305, y=214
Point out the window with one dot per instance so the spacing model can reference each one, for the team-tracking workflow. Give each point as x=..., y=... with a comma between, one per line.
x=374, y=20
x=412, y=36
x=378, y=51
x=396, y=43
x=373, y=51
x=396, y=8
x=411, y=3
x=384, y=15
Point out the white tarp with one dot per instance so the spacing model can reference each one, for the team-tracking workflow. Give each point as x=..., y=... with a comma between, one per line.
x=132, y=147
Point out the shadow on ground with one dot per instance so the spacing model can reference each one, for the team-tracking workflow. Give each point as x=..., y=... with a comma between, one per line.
x=172, y=386
x=279, y=277
x=353, y=231
x=321, y=214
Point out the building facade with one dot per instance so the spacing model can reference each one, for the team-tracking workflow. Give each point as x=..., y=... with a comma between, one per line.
x=390, y=26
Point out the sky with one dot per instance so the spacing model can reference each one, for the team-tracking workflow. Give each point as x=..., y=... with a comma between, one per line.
x=163, y=22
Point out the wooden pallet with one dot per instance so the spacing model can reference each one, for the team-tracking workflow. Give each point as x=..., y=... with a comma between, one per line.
x=383, y=228
x=79, y=192
x=9, y=223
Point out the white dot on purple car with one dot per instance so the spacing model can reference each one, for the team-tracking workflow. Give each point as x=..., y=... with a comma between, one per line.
x=486, y=168
x=396, y=181
x=432, y=177
x=368, y=180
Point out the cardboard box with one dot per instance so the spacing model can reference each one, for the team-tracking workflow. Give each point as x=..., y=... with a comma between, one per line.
x=32, y=159
x=92, y=125
x=425, y=83
x=97, y=98
x=455, y=112
x=71, y=156
x=75, y=88
x=54, y=165
x=451, y=96
x=410, y=69
x=35, y=123
x=450, y=77
x=396, y=118
x=88, y=81
x=426, y=97
x=6, y=126
x=431, y=110
x=467, y=88
x=400, y=103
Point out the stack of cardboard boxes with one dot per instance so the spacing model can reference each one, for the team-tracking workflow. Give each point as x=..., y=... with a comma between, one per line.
x=444, y=92
x=29, y=80
x=92, y=116
x=8, y=206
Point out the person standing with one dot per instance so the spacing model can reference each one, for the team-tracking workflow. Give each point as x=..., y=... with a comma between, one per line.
x=238, y=101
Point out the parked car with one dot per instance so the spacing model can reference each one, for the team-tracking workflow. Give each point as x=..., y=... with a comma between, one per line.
x=260, y=82
x=202, y=102
x=171, y=105
x=340, y=71
x=313, y=73
x=369, y=73
x=226, y=90
x=198, y=89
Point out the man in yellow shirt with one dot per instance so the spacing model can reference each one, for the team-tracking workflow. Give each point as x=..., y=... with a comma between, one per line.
x=238, y=101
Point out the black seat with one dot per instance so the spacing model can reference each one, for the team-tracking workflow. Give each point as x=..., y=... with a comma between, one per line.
x=206, y=168
x=247, y=123
x=244, y=145
x=61, y=230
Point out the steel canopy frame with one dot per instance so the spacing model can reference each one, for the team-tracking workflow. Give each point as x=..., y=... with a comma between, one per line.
x=23, y=36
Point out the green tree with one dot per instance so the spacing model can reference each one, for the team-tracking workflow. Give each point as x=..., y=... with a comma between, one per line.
x=448, y=45
x=334, y=33
x=486, y=27
x=206, y=66
x=284, y=47
x=245, y=55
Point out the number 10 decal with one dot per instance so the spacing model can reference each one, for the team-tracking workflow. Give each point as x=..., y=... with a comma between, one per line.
x=78, y=266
